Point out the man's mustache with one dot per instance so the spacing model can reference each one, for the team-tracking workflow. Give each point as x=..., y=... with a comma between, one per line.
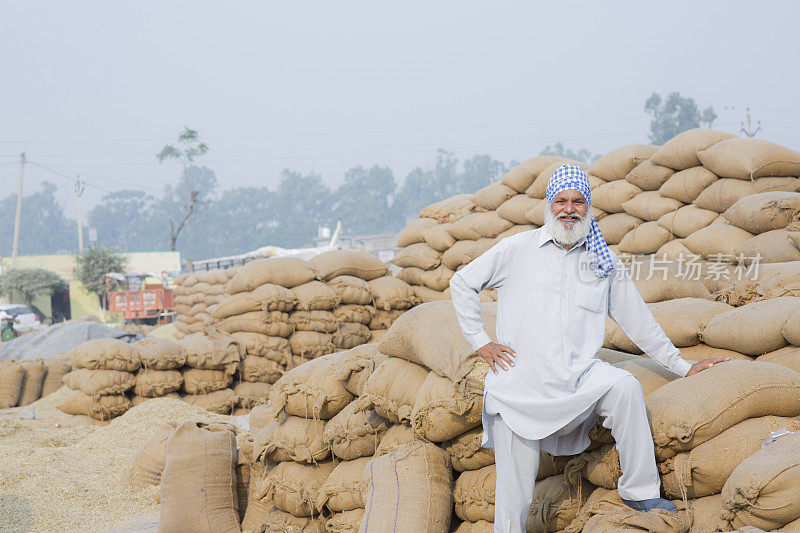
x=564, y=215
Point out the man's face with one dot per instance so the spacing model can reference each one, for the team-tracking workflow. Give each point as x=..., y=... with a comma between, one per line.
x=569, y=207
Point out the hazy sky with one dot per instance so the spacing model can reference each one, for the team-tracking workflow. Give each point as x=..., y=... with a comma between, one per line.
x=97, y=88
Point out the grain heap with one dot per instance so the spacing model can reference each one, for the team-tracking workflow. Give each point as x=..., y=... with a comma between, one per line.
x=197, y=295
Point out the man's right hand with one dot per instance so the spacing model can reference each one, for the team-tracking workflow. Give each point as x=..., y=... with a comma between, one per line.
x=495, y=354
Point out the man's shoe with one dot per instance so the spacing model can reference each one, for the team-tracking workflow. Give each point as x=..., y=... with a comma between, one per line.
x=652, y=503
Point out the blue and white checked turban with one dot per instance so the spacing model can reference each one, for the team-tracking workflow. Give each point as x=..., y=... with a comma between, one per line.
x=571, y=177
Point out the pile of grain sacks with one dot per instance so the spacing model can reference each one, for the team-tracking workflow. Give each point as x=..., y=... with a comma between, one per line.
x=197, y=296
x=24, y=382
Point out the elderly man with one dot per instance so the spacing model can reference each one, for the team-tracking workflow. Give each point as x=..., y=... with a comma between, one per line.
x=555, y=286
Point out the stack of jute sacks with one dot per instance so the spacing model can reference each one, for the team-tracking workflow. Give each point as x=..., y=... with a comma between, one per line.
x=24, y=382
x=197, y=295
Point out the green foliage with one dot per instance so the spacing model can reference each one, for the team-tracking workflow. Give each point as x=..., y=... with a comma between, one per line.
x=44, y=228
x=191, y=147
x=31, y=282
x=581, y=155
x=675, y=115
x=93, y=265
x=363, y=201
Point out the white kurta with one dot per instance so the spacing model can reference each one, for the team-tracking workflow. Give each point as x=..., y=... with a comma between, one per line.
x=551, y=310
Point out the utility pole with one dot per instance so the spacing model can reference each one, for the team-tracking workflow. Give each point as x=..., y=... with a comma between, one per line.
x=748, y=128
x=18, y=218
x=79, y=186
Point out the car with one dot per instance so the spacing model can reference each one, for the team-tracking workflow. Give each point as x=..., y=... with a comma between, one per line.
x=24, y=319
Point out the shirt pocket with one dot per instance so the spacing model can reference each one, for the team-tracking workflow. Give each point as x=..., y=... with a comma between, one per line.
x=592, y=296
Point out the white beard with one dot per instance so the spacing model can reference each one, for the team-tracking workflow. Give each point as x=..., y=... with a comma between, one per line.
x=564, y=235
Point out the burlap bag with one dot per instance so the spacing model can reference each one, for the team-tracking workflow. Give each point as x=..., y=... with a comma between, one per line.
x=392, y=293
x=396, y=436
x=649, y=176
x=295, y=488
x=284, y=271
x=418, y=255
x=273, y=348
x=31, y=389
x=762, y=491
x=703, y=351
x=352, y=433
x=345, y=487
x=522, y=176
x=409, y=489
x=198, y=485
x=197, y=381
x=385, y=319
x=725, y=192
x=687, y=220
x=259, y=416
x=680, y=152
x=315, y=295
x=425, y=295
x=345, y=522
x=753, y=329
x=610, y=196
x=481, y=526
x=311, y=390
x=769, y=281
x=556, y=503
x=704, y=470
x=666, y=281
x=360, y=314
x=514, y=208
x=457, y=254
x=439, y=237
x=260, y=370
x=99, y=382
x=439, y=278
x=644, y=239
x=220, y=401
x=250, y=394
x=604, y=512
x=392, y=389
x=616, y=164
x=160, y=354
x=291, y=439
x=272, y=323
x=311, y=344
x=650, y=374
x=688, y=412
x=466, y=452
x=750, y=158
x=442, y=411
x=106, y=354
x=615, y=226
x=493, y=195
x=413, y=231
x=351, y=290
x=207, y=353
x=774, y=246
x=411, y=275
x=149, y=459
x=716, y=241
x=257, y=509
x=268, y=297
x=153, y=383
x=277, y=520
x=317, y=320
x=687, y=185
x=477, y=225
x=348, y=263
x=650, y=205
x=788, y=356
x=357, y=365
x=98, y=407
x=473, y=494
x=764, y=211
x=599, y=466
x=449, y=210
x=706, y=513
x=53, y=378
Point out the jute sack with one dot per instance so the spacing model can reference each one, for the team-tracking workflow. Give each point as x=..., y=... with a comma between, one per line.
x=153, y=383
x=351, y=290
x=442, y=412
x=99, y=382
x=197, y=309
x=311, y=390
x=750, y=158
x=774, y=246
x=31, y=389
x=492, y=196
x=295, y=488
x=429, y=335
x=396, y=436
x=259, y=417
x=705, y=513
x=615, y=226
x=160, y=354
x=345, y=521
x=221, y=401
x=197, y=381
x=98, y=407
x=648, y=176
x=198, y=486
x=523, y=175
x=481, y=245
x=345, y=487
x=687, y=220
x=605, y=512
x=473, y=494
x=688, y=412
x=457, y=255
x=317, y=320
x=221, y=353
x=650, y=205
x=291, y=439
x=770, y=281
x=106, y=354
x=359, y=314
x=251, y=394
x=439, y=237
x=650, y=374
x=277, y=520
x=358, y=365
x=703, y=351
x=449, y=210
x=680, y=152
x=267, y=297
x=413, y=231
x=466, y=452
x=418, y=255
x=717, y=241
x=392, y=389
x=311, y=344
x=409, y=489
x=753, y=329
x=520, y=228
x=535, y=214
x=666, y=282
x=762, y=490
x=610, y=196
x=356, y=263
x=284, y=271
x=481, y=526
x=764, y=211
x=392, y=293
x=687, y=185
x=556, y=503
x=704, y=470
x=788, y=356
x=477, y=225
x=645, y=239
x=272, y=324
x=514, y=208
x=616, y=164
x=725, y=192
x=56, y=370
x=425, y=295
x=439, y=278
x=599, y=466
x=315, y=295
x=149, y=459
x=350, y=335
x=353, y=433
x=273, y=348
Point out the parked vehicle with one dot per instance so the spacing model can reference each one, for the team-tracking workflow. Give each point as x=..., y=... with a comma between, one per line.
x=22, y=318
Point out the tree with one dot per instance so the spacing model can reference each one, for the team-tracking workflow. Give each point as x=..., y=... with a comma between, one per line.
x=31, y=282
x=581, y=155
x=480, y=171
x=44, y=228
x=190, y=149
x=303, y=203
x=674, y=115
x=93, y=265
x=124, y=219
x=363, y=201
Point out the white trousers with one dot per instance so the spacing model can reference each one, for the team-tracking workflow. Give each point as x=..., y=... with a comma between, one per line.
x=517, y=458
